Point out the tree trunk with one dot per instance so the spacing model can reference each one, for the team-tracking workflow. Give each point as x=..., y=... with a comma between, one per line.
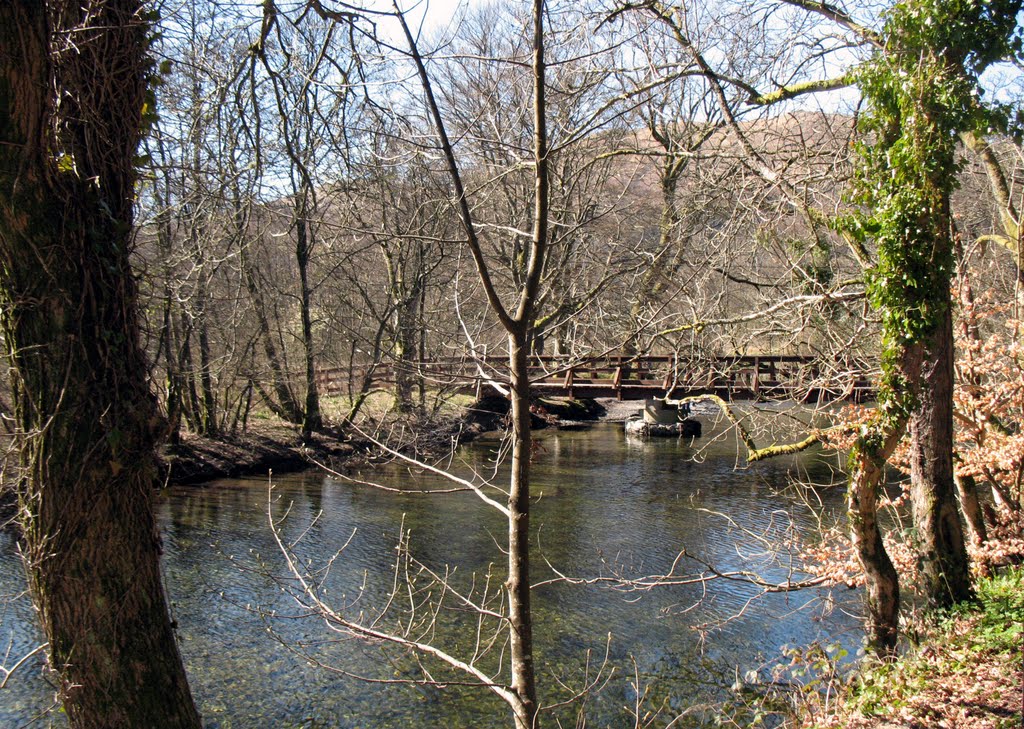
x=870, y=454
x=169, y=346
x=285, y=407
x=86, y=421
x=421, y=337
x=190, y=407
x=175, y=379
x=520, y=617
x=312, y=419
x=406, y=316
x=518, y=325
x=209, y=421
x=880, y=578
x=970, y=506
x=939, y=534
x=406, y=299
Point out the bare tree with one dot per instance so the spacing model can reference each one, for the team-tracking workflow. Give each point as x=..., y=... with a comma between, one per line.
x=195, y=207
x=400, y=205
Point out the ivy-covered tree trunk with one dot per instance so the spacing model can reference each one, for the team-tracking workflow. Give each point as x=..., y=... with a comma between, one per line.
x=922, y=94
x=72, y=90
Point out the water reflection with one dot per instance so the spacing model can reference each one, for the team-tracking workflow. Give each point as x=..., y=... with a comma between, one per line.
x=604, y=506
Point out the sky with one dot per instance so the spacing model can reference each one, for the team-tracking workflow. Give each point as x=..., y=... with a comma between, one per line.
x=434, y=15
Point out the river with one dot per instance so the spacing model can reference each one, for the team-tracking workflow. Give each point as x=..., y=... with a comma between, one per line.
x=605, y=505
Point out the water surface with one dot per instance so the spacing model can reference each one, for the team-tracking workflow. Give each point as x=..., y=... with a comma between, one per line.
x=606, y=506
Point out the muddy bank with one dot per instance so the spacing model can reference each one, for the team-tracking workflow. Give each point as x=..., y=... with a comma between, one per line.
x=266, y=448
x=278, y=447
x=491, y=413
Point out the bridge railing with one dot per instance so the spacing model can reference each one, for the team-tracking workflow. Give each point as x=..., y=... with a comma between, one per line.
x=625, y=377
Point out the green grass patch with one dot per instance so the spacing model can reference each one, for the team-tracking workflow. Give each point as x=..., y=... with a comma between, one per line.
x=1000, y=626
x=964, y=637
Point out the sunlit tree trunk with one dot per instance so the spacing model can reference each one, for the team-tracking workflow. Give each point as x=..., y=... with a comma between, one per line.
x=86, y=420
x=937, y=527
x=518, y=325
x=881, y=580
x=520, y=615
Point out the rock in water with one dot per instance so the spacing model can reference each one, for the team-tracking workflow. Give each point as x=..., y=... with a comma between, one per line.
x=689, y=428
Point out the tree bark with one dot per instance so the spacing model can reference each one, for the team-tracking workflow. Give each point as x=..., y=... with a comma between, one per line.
x=405, y=315
x=405, y=349
x=86, y=420
x=970, y=506
x=939, y=534
x=520, y=617
x=868, y=459
x=169, y=347
x=208, y=420
x=880, y=578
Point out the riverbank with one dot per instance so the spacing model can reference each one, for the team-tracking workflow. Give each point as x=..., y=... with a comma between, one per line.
x=965, y=672
x=277, y=446
x=274, y=446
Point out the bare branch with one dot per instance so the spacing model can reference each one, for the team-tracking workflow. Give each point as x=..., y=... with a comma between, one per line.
x=838, y=16
x=792, y=301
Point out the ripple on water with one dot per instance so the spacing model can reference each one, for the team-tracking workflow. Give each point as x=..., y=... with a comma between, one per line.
x=605, y=506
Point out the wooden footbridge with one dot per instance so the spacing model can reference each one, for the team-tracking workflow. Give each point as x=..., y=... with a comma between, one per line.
x=737, y=377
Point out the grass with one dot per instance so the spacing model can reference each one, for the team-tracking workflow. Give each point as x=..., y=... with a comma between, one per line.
x=381, y=404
